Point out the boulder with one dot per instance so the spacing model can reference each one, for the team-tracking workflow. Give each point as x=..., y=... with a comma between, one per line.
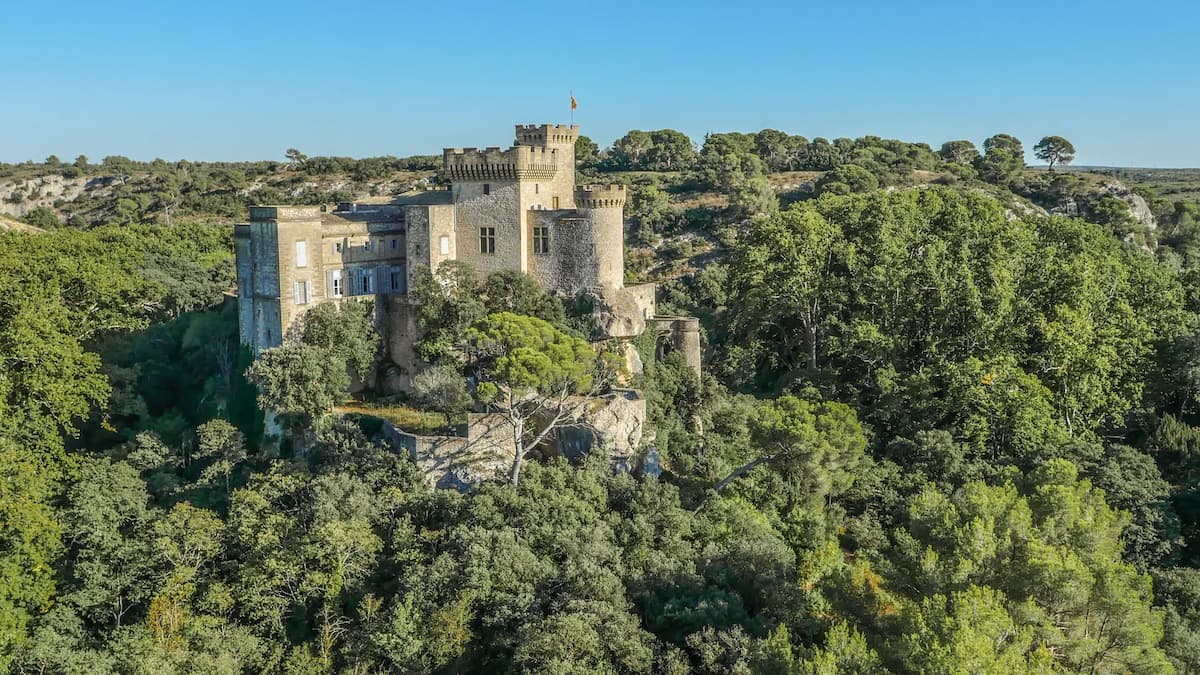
x=618, y=314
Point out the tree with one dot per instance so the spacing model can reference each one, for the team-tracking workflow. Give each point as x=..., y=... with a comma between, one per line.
x=81, y=162
x=816, y=448
x=448, y=303
x=1054, y=150
x=586, y=151
x=530, y=370
x=513, y=291
x=670, y=151
x=442, y=388
x=629, y=151
x=1052, y=552
x=224, y=446
x=295, y=156
x=30, y=541
x=1003, y=159
x=797, y=251
x=847, y=179
x=299, y=380
x=43, y=217
x=346, y=331
x=754, y=196
x=959, y=152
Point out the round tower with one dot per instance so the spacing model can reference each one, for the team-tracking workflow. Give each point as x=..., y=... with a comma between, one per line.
x=603, y=207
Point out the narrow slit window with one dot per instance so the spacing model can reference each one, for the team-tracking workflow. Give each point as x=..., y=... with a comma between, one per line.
x=487, y=188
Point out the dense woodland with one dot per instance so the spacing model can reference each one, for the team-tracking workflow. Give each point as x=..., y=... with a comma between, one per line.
x=949, y=423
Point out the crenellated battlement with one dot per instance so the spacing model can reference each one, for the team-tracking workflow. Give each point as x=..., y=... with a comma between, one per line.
x=259, y=214
x=544, y=134
x=516, y=163
x=600, y=196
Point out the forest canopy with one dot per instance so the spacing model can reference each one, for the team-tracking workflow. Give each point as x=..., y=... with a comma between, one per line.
x=943, y=425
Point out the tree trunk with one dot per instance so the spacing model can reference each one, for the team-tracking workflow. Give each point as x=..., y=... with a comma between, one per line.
x=741, y=471
x=812, y=349
x=514, y=474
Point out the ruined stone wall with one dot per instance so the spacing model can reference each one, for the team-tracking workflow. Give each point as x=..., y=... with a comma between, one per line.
x=681, y=333
x=455, y=461
x=644, y=296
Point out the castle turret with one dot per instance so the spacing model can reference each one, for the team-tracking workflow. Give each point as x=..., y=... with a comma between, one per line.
x=603, y=206
x=557, y=192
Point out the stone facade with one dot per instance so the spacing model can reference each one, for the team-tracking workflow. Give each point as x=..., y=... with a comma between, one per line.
x=514, y=209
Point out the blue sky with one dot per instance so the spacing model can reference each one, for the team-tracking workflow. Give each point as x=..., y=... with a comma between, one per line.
x=245, y=80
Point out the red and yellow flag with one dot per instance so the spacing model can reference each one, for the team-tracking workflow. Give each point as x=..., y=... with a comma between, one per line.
x=574, y=105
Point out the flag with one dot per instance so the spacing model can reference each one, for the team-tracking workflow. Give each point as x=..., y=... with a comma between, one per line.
x=574, y=105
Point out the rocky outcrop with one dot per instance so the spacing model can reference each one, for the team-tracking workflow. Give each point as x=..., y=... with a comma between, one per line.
x=618, y=314
x=1137, y=204
x=20, y=197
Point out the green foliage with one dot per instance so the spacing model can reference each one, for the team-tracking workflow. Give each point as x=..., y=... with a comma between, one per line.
x=300, y=380
x=443, y=388
x=346, y=332
x=511, y=291
x=959, y=152
x=447, y=303
x=1054, y=150
x=42, y=217
x=846, y=179
x=662, y=150
x=1002, y=161
x=526, y=355
x=910, y=297
x=965, y=438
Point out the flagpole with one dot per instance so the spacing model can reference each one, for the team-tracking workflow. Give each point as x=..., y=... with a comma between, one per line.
x=571, y=93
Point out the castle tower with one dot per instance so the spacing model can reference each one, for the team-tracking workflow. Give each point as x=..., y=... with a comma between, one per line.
x=559, y=140
x=277, y=258
x=494, y=191
x=603, y=206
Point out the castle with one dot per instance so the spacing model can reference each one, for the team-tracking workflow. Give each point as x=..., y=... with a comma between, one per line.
x=514, y=209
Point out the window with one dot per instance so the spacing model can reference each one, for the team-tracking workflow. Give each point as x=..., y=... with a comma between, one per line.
x=364, y=278
x=393, y=244
x=335, y=283
x=536, y=188
x=555, y=201
x=368, y=245
x=300, y=290
x=541, y=240
x=487, y=240
x=337, y=247
x=487, y=188
x=396, y=280
x=444, y=244
x=302, y=254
